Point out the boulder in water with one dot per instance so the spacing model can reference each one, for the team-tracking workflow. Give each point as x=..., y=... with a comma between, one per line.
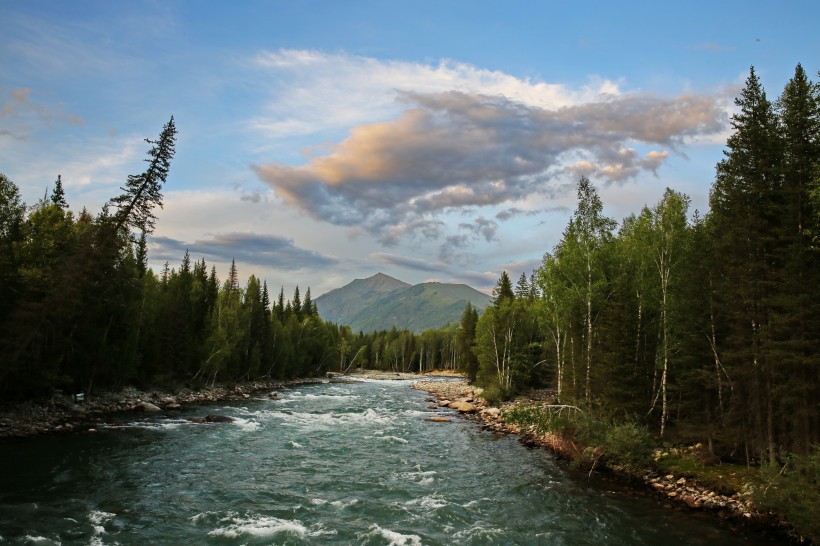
x=219, y=419
x=147, y=407
x=439, y=420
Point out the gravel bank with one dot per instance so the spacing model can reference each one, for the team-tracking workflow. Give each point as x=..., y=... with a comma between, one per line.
x=671, y=490
x=62, y=414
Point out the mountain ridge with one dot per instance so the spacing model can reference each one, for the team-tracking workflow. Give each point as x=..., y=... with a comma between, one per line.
x=381, y=302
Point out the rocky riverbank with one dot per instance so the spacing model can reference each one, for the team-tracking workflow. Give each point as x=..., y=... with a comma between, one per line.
x=672, y=491
x=61, y=413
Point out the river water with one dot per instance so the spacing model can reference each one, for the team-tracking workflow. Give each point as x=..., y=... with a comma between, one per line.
x=339, y=463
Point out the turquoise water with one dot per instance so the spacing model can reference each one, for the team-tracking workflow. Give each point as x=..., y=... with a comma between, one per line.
x=341, y=463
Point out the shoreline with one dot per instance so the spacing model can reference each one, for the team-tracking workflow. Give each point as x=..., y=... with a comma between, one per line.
x=677, y=492
x=62, y=414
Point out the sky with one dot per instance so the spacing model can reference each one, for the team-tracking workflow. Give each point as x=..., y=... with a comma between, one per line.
x=324, y=141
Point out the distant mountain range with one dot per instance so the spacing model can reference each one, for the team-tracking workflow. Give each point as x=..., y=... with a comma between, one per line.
x=381, y=302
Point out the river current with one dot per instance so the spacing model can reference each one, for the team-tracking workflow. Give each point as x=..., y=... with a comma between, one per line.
x=339, y=463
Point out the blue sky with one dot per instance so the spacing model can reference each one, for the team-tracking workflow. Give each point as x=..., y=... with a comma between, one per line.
x=323, y=141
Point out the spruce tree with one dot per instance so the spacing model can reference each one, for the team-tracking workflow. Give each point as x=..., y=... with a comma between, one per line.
x=307, y=304
x=522, y=288
x=503, y=289
x=747, y=208
x=795, y=317
x=142, y=192
x=58, y=195
x=296, y=303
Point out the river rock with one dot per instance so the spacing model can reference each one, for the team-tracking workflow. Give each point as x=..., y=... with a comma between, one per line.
x=147, y=407
x=495, y=413
x=439, y=420
x=466, y=407
x=219, y=419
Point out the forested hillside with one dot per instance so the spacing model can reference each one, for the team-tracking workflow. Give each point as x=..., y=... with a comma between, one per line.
x=380, y=302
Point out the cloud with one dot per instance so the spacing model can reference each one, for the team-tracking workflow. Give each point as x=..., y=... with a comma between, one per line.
x=481, y=227
x=410, y=263
x=453, y=149
x=250, y=248
x=22, y=115
x=317, y=92
x=514, y=212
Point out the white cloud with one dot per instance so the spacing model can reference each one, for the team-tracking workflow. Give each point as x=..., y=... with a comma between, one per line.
x=315, y=92
x=453, y=150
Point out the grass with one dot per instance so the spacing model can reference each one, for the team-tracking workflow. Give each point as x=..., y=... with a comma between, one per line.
x=724, y=478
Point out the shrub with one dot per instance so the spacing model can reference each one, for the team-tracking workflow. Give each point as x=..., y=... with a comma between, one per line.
x=794, y=491
x=629, y=445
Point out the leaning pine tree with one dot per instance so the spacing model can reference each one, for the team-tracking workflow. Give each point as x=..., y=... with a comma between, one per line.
x=142, y=192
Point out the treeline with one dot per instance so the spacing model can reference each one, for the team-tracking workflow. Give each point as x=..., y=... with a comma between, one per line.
x=449, y=348
x=79, y=309
x=704, y=326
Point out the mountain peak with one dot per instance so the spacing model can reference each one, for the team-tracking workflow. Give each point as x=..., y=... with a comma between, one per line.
x=381, y=301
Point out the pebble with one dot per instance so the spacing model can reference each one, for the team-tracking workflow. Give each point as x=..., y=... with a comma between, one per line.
x=61, y=414
x=678, y=489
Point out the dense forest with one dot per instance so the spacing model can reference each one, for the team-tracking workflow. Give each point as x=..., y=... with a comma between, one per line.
x=698, y=325
x=705, y=323
x=79, y=309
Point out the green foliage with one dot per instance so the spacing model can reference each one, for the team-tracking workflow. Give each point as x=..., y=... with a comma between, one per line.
x=503, y=290
x=622, y=443
x=80, y=309
x=793, y=490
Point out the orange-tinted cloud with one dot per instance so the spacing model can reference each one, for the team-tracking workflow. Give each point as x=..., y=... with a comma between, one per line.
x=452, y=150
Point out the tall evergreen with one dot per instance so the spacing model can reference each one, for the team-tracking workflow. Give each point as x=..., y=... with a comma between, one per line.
x=143, y=192
x=522, y=287
x=795, y=316
x=503, y=289
x=747, y=203
x=58, y=194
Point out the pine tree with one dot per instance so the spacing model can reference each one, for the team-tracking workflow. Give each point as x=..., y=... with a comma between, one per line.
x=296, y=303
x=747, y=211
x=142, y=255
x=307, y=304
x=522, y=288
x=465, y=340
x=795, y=317
x=142, y=192
x=58, y=195
x=503, y=289
x=279, y=308
x=265, y=297
x=233, y=278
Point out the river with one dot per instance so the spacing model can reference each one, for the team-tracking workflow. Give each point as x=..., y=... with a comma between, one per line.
x=339, y=463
